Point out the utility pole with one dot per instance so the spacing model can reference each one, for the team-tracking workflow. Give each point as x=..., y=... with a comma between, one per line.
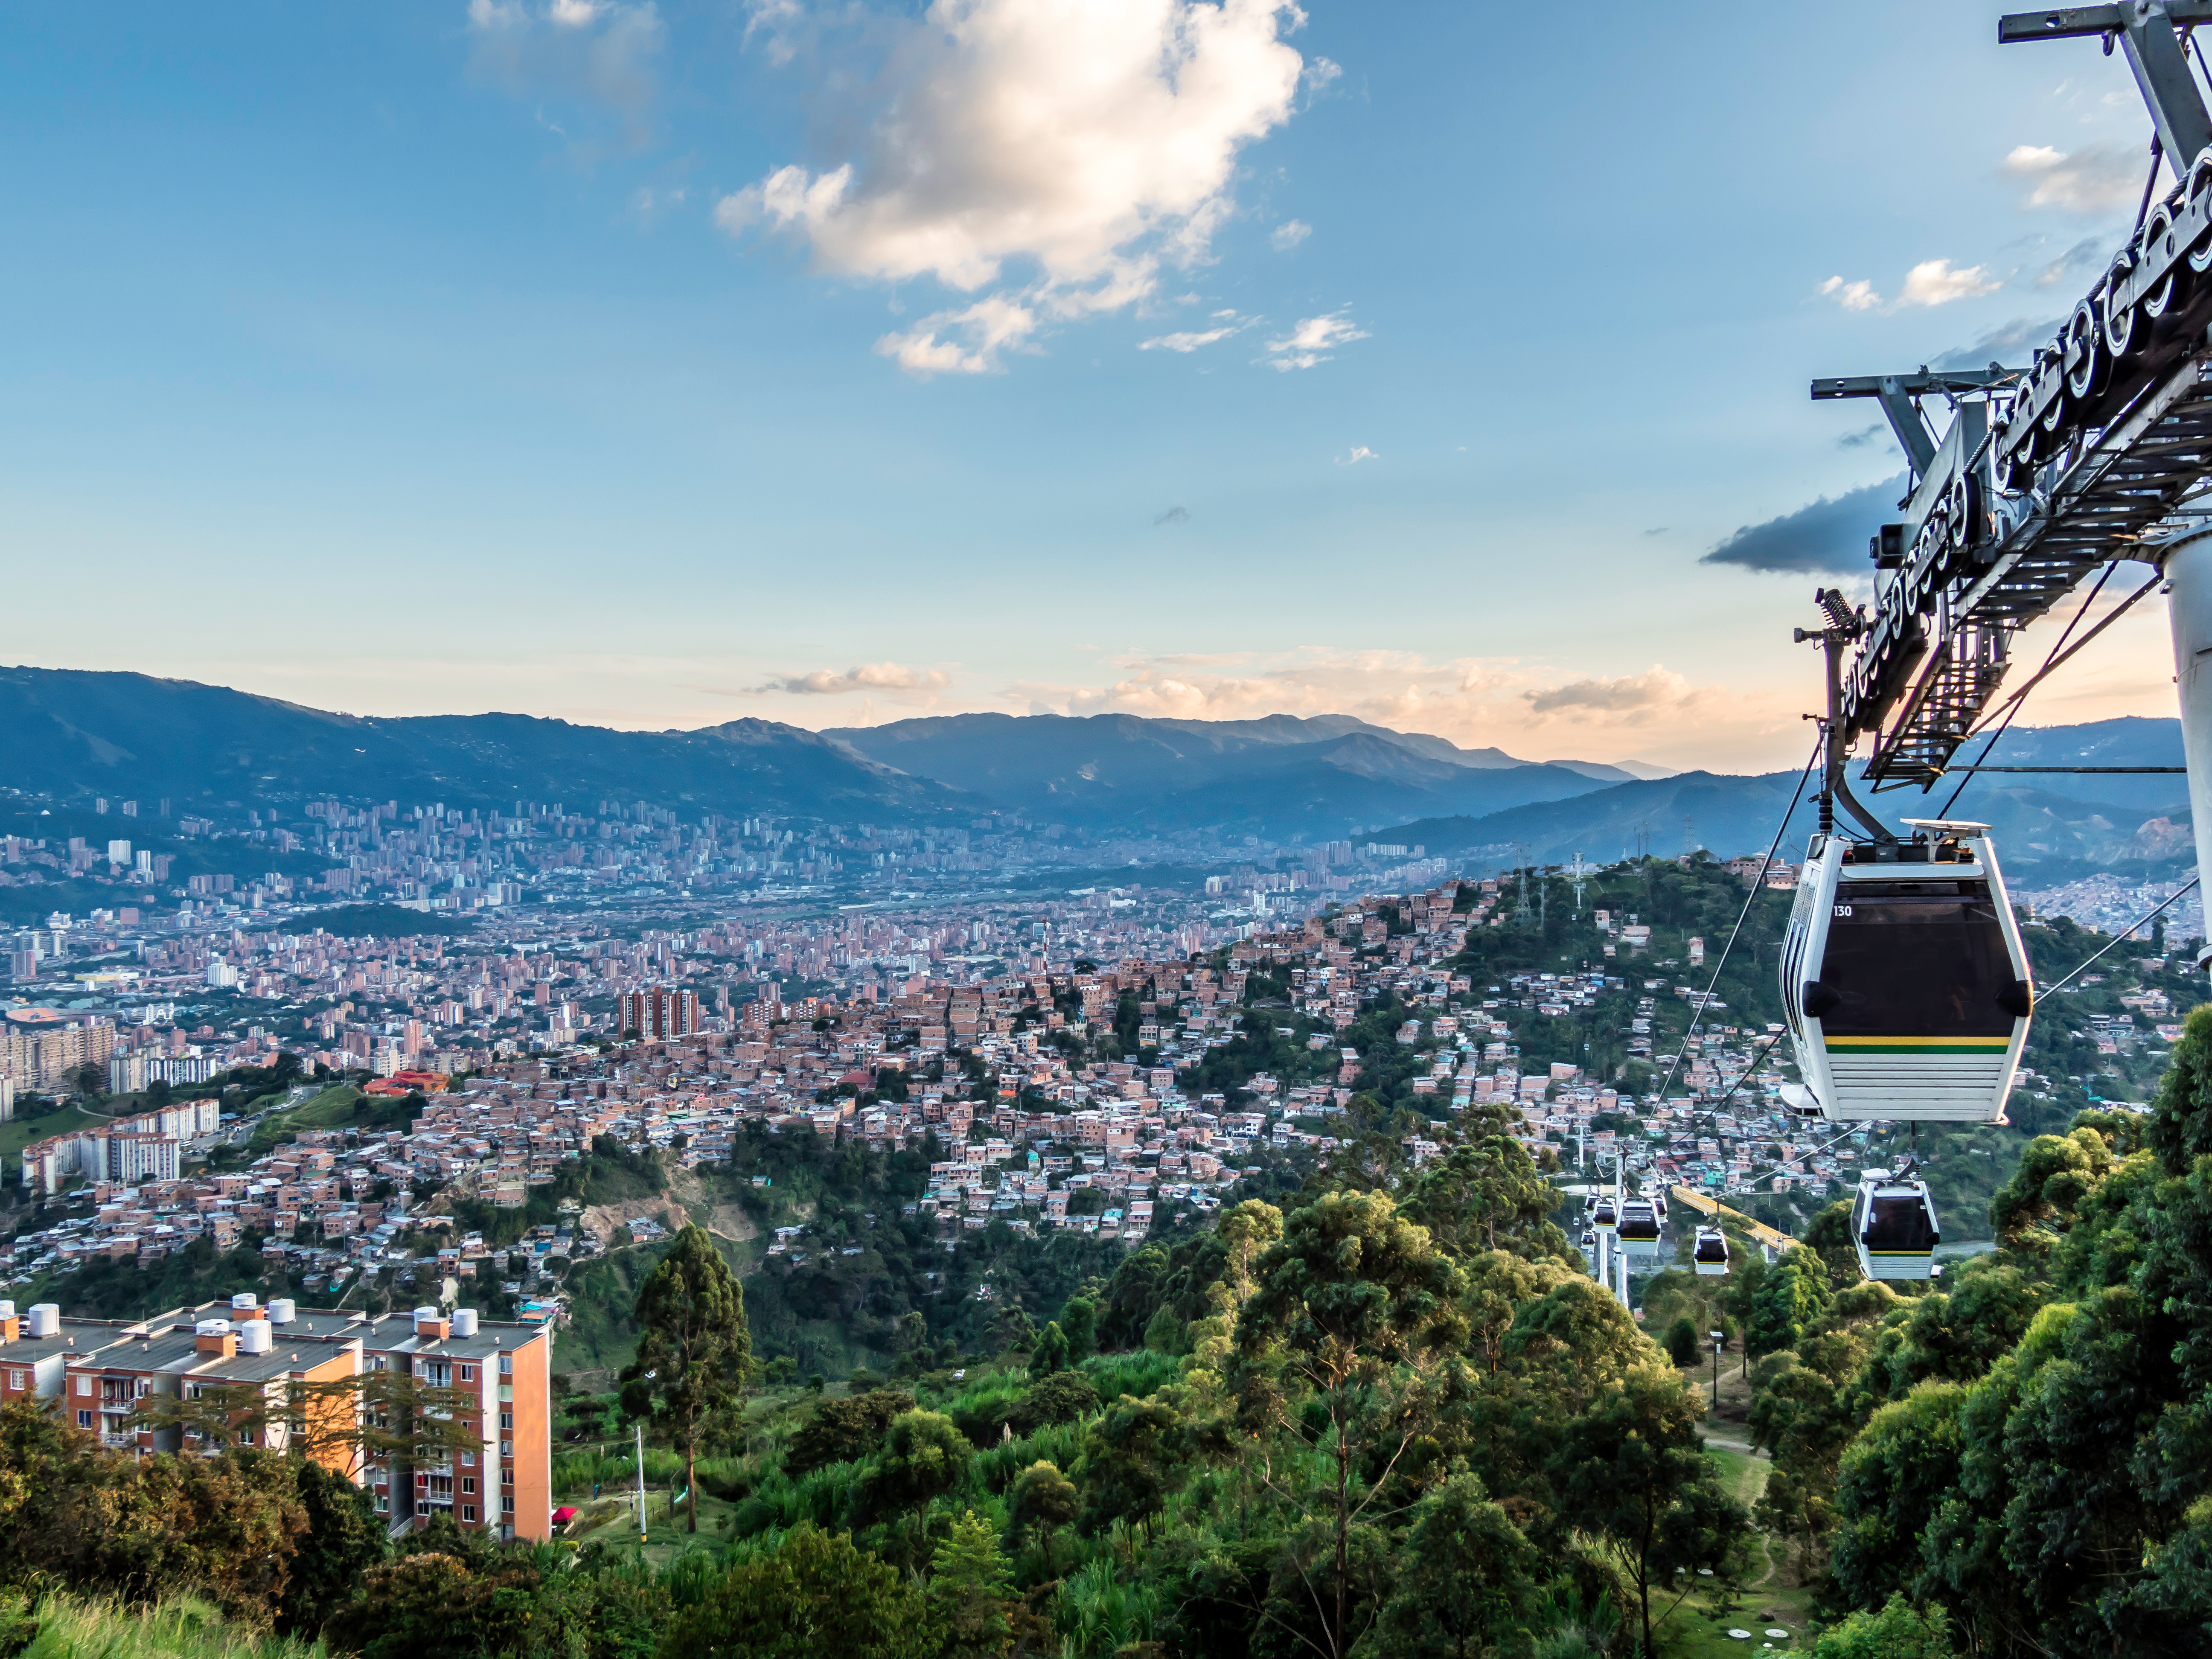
x=640, y=1483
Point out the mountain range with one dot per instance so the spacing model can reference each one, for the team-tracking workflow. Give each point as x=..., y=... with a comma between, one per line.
x=1282, y=776
x=2048, y=827
x=68, y=736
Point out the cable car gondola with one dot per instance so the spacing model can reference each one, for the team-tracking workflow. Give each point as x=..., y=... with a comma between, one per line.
x=1603, y=1216
x=1710, y=1254
x=1640, y=1227
x=1903, y=979
x=1893, y=1225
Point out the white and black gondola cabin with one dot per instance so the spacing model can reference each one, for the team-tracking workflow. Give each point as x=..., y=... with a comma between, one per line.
x=1904, y=980
x=1710, y=1254
x=1894, y=1227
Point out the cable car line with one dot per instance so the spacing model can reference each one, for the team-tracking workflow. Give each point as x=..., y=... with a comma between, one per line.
x=1697, y=1016
x=2012, y=705
x=2060, y=655
x=2118, y=937
x=2074, y=771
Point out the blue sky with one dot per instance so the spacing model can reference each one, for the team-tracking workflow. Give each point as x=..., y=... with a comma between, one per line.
x=658, y=364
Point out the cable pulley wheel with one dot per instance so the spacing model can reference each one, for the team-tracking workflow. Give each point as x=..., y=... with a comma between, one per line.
x=2198, y=195
x=2161, y=241
x=2123, y=330
x=2087, y=358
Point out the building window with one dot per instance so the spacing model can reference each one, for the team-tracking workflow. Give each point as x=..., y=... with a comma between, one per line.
x=507, y=1448
x=506, y=1422
x=468, y=1511
x=16, y=1381
x=468, y=1459
x=506, y=1477
x=383, y=1504
x=84, y=1420
x=468, y=1373
x=84, y=1387
x=506, y=1503
x=507, y=1365
x=245, y=1436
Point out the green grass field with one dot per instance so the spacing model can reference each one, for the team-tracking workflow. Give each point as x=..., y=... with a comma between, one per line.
x=326, y=1110
x=21, y=1131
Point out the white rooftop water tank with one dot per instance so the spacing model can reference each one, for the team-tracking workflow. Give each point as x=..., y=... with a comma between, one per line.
x=243, y=1301
x=465, y=1321
x=212, y=1328
x=45, y=1319
x=253, y=1336
x=281, y=1311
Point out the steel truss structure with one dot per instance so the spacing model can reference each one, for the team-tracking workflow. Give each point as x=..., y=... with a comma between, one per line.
x=2098, y=450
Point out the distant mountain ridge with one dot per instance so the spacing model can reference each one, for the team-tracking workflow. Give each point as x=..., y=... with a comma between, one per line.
x=1283, y=774
x=2048, y=827
x=73, y=734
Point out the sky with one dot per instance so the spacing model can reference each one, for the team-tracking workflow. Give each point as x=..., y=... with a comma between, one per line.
x=654, y=364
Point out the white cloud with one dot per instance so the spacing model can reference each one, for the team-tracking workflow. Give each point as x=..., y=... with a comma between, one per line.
x=1288, y=234
x=1630, y=699
x=1185, y=341
x=2096, y=179
x=777, y=20
x=981, y=332
x=606, y=52
x=1310, y=343
x=1473, y=700
x=1851, y=297
x=1322, y=74
x=1089, y=145
x=869, y=676
x=1934, y=282
x=1360, y=452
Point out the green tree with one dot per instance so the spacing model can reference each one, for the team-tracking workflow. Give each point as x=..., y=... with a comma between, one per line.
x=925, y=1457
x=694, y=1351
x=1042, y=1498
x=1682, y=1343
x=1631, y=1469
x=1165, y=1333
x=1355, y=1308
x=1790, y=1299
x=1463, y=1580
x=839, y=1429
x=1488, y=1195
x=344, y=1538
x=1050, y=1353
x=971, y=1590
x=1079, y=1321
x=1129, y=1459
x=1063, y=1397
x=817, y=1597
x=1899, y=1631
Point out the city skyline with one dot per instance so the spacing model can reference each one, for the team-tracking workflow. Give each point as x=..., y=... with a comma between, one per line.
x=654, y=366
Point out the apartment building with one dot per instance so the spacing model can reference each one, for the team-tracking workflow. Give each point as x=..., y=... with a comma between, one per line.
x=43, y=1047
x=98, y=1374
x=657, y=1013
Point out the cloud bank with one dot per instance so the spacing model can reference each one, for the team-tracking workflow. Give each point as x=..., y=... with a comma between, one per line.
x=1829, y=535
x=1048, y=157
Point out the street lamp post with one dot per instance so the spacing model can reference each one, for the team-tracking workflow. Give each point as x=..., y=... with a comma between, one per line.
x=1720, y=1341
